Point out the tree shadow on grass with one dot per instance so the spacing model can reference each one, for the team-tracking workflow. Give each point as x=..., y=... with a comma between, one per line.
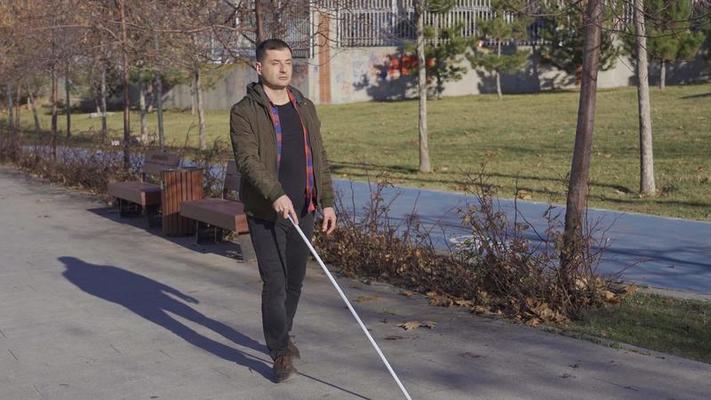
x=371, y=170
x=696, y=96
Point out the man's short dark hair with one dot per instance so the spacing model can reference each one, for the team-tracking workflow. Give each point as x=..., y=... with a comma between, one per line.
x=270, y=44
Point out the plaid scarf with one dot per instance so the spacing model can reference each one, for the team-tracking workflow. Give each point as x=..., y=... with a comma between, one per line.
x=309, y=191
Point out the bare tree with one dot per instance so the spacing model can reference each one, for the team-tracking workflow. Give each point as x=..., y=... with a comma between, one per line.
x=67, y=100
x=197, y=25
x=580, y=169
x=422, y=87
x=158, y=90
x=259, y=20
x=120, y=4
x=646, y=160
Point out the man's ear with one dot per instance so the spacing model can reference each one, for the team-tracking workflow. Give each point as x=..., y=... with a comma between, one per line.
x=258, y=67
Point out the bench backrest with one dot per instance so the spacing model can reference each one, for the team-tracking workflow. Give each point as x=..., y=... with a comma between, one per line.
x=232, y=178
x=157, y=160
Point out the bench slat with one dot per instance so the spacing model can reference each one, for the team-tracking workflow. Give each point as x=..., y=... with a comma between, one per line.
x=145, y=194
x=226, y=214
x=158, y=160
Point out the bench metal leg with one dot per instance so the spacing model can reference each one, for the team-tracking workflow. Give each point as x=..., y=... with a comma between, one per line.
x=151, y=213
x=197, y=232
x=127, y=209
x=218, y=233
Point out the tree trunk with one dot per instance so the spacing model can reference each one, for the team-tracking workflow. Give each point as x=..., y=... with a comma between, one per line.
x=149, y=97
x=33, y=106
x=259, y=17
x=422, y=88
x=200, y=108
x=498, y=74
x=663, y=75
x=578, y=185
x=104, y=125
x=646, y=160
x=10, y=109
x=126, y=115
x=142, y=106
x=53, y=100
x=159, y=94
x=159, y=110
x=18, y=98
x=67, y=102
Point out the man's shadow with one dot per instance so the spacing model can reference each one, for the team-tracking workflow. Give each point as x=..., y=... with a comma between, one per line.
x=156, y=302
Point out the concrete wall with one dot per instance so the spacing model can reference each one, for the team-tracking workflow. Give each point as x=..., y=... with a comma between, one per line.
x=362, y=74
x=349, y=75
x=230, y=87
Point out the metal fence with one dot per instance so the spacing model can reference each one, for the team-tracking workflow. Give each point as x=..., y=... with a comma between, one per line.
x=390, y=22
x=292, y=21
x=371, y=23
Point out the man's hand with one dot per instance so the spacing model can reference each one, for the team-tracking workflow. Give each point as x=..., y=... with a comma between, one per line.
x=284, y=207
x=329, y=220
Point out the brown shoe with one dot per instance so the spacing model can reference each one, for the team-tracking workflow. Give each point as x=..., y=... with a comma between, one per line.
x=283, y=368
x=294, y=351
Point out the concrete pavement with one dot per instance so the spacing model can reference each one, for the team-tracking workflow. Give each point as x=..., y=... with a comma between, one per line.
x=93, y=307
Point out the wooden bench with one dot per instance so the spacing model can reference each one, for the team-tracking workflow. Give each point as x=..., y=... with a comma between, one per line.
x=222, y=214
x=142, y=197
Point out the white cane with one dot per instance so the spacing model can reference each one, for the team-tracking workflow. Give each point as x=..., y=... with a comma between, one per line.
x=350, y=307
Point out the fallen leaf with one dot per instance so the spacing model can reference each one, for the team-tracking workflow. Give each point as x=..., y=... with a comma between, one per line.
x=533, y=322
x=630, y=289
x=523, y=195
x=410, y=325
x=480, y=310
x=438, y=299
x=464, y=303
x=610, y=297
x=365, y=299
x=407, y=293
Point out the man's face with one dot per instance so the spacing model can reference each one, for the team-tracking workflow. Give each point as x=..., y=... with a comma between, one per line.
x=276, y=68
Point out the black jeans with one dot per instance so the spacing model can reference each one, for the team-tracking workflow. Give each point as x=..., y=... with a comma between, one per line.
x=281, y=255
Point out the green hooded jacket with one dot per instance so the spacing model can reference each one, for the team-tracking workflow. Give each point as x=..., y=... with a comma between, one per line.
x=254, y=144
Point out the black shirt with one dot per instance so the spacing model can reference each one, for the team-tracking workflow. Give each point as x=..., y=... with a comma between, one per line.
x=292, y=168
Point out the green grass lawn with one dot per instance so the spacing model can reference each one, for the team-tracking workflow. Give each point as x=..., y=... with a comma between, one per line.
x=525, y=140
x=666, y=324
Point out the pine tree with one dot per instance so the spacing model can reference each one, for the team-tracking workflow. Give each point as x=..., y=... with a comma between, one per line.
x=444, y=50
x=445, y=53
x=563, y=34
x=671, y=38
x=499, y=31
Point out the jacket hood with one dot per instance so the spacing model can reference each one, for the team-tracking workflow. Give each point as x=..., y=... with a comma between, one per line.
x=255, y=91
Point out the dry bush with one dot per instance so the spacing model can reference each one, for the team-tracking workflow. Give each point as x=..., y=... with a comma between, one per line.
x=90, y=168
x=504, y=267
x=373, y=247
x=211, y=160
x=93, y=165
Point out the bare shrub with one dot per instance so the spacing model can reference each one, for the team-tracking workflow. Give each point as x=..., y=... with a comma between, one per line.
x=504, y=266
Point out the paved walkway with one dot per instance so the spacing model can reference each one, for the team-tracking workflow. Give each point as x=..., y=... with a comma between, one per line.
x=656, y=251
x=93, y=307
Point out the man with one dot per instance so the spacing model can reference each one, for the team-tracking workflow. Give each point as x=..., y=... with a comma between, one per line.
x=279, y=152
